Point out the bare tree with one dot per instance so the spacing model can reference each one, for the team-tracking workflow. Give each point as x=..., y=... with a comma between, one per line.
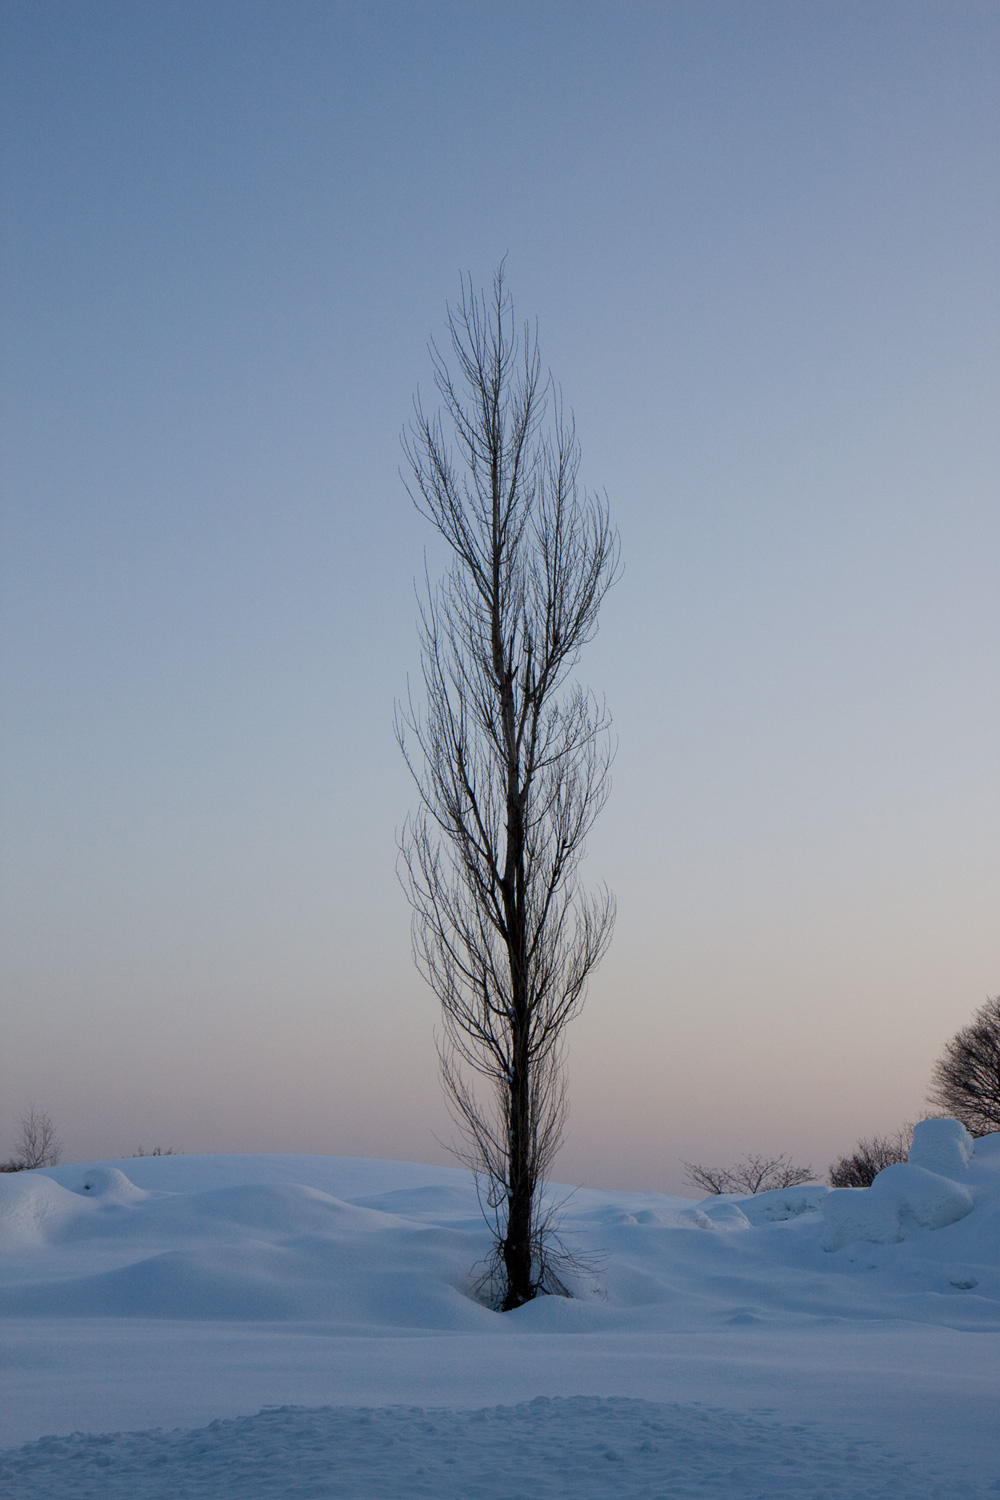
x=870, y=1157
x=511, y=762
x=967, y=1078
x=751, y=1174
x=37, y=1144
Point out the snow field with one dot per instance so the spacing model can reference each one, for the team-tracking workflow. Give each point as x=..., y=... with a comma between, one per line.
x=808, y=1342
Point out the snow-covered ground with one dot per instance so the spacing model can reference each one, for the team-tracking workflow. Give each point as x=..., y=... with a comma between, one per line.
x=306, y=1326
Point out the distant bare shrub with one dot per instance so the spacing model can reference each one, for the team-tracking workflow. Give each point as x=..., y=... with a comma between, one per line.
x=156, y=1151
x=37, y=1144
x=967, y=1077
x=869, y=1157
x=751, y=1174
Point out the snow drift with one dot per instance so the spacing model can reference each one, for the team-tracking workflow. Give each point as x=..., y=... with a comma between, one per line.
x=177, y=1289
x=920, y=1193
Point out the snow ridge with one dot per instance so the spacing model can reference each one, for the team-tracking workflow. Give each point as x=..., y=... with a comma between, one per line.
x=578, y=1447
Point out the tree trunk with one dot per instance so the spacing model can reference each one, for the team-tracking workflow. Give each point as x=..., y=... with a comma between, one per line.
x=517, y=1246
x=517, y=1249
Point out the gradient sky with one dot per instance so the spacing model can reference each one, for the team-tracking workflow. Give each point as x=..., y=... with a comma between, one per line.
x=760, y=240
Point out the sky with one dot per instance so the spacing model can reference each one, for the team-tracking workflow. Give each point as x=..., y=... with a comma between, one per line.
x=760, y=241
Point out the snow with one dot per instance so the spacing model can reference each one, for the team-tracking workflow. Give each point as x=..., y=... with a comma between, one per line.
x=942, y=1146
x=268, y=1325
x=902, y=1196
x=584, y=1446
x=910, y=1195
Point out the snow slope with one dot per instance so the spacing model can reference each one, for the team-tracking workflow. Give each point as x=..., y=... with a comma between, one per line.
x=805, y=1342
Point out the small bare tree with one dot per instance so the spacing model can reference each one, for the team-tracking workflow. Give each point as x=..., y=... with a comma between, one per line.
x=37, y=1144
x=751, y=1174
x=511, y=763
x=966, y=1081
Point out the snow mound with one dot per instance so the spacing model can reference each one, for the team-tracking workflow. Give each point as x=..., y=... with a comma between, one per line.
x=109, y=1185
x=586, y=1447
x=901, y=1198
x=779, y=1204
x=726, y=1215
x=943, y=1146
x=275, y=1208
x=33, y=1209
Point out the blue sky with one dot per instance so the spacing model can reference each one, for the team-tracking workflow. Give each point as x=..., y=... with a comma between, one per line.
x=760, y=240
